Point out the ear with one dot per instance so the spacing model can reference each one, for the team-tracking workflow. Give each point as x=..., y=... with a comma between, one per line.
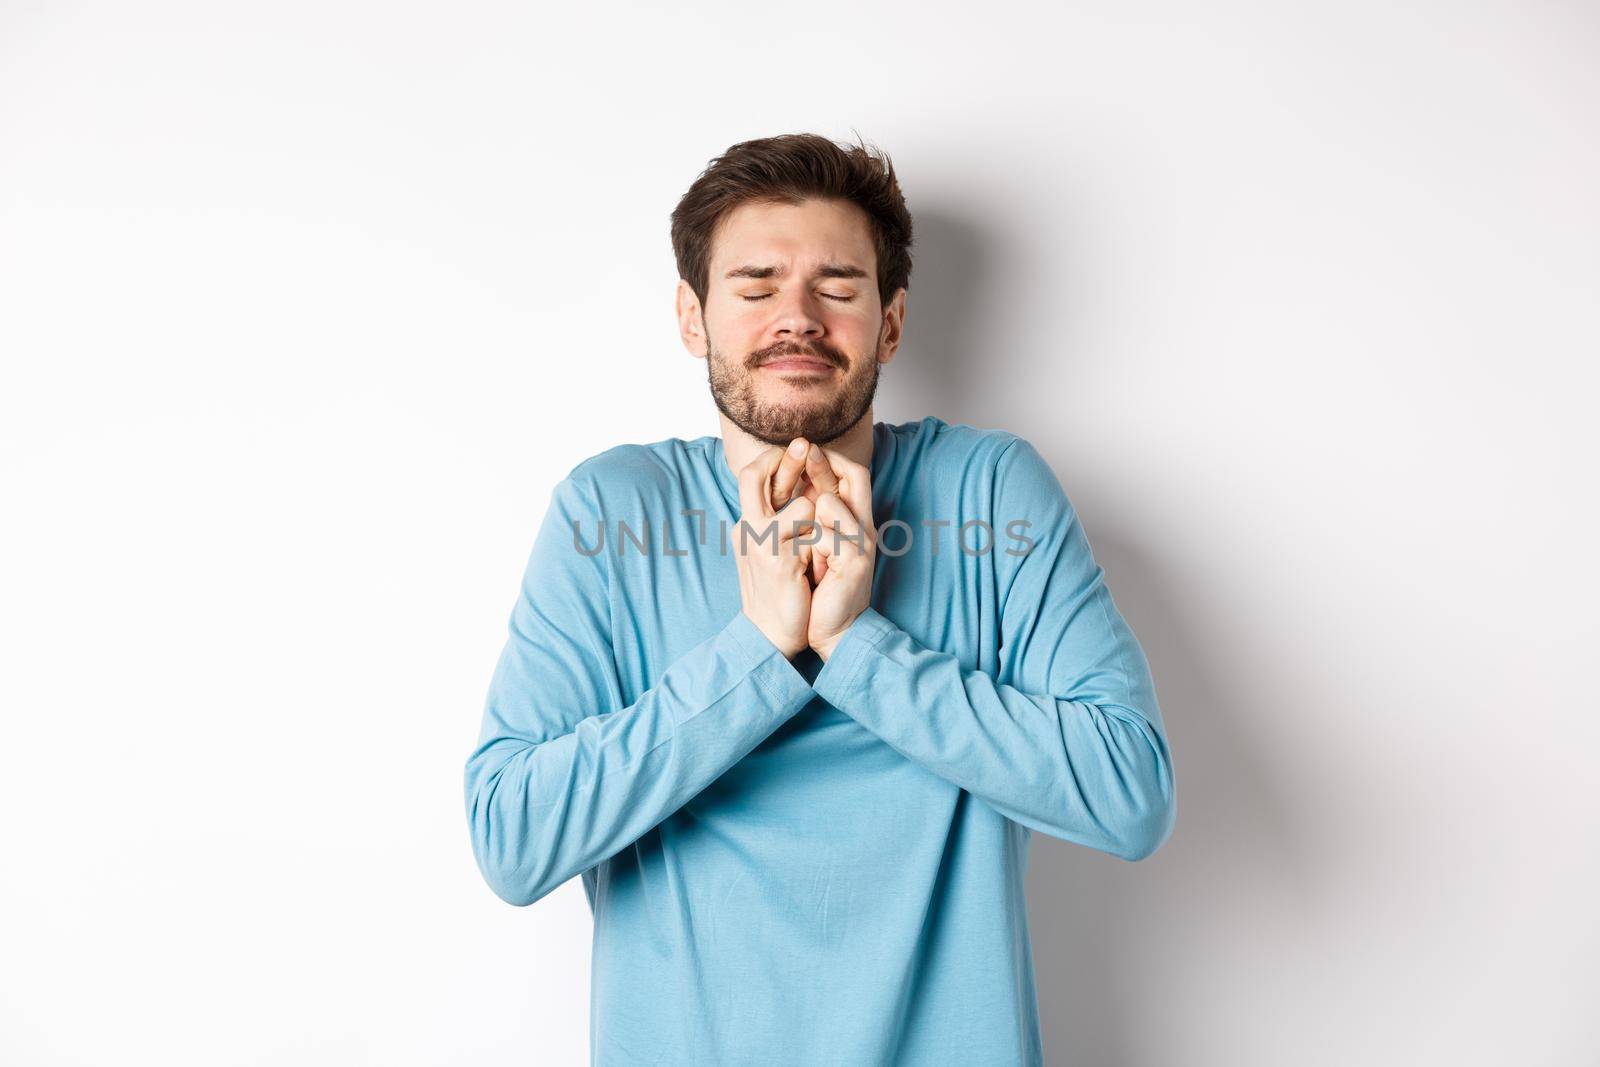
x=894, y=317
x=691, y=320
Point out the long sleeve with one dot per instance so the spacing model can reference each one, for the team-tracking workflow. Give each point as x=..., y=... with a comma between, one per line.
x=563, y=776
x=1067, y=739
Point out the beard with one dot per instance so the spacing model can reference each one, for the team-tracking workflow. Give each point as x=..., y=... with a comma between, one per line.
x=832, y=405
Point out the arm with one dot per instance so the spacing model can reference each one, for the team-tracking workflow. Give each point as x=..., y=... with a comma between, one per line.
x=1068, y=738
x=563, y=776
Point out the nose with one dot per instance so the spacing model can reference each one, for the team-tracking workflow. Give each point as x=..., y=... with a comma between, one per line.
x=798, y=317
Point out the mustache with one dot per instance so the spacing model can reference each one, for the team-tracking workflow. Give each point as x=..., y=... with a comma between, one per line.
x=822, y=351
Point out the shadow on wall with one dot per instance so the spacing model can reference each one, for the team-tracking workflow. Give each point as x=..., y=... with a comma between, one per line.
x=1103, y=930
x=934, y=372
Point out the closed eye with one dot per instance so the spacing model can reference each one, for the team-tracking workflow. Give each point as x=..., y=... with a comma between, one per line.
x=830, y=296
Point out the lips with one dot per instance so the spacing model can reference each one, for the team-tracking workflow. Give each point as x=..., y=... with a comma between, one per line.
x=800, y=363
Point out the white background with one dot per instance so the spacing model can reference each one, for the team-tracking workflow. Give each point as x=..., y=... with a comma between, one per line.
x=304, y=308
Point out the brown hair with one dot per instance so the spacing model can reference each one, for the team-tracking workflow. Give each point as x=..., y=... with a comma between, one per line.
x=788, y=169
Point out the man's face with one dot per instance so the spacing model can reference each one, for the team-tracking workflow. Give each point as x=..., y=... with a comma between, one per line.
x=794, y=329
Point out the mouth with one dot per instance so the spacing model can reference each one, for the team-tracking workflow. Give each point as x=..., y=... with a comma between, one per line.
x=798, y=365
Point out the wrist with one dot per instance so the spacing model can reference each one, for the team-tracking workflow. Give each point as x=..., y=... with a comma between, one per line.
x=825, y=648
x=774, y=636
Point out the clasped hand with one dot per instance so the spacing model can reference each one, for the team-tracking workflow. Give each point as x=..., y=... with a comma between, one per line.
x=806, y=545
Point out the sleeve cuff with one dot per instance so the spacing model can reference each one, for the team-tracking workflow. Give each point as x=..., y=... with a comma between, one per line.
x=754, y=652
x=842, y=673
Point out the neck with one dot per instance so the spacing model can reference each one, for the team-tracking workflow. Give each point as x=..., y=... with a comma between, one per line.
x=739, y=448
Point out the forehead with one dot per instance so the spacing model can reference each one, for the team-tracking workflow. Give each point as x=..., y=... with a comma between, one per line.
x=814, y=231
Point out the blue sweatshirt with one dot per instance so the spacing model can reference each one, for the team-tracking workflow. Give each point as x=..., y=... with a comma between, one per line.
x=798, y=862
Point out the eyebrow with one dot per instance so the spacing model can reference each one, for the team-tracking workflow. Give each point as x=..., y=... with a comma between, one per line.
x=827, y=270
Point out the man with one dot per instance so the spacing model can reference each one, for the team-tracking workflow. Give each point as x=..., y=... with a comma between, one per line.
x=792, y=699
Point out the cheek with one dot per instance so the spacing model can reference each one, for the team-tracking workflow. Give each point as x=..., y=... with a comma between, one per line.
x=856, y=333
x=736, y=324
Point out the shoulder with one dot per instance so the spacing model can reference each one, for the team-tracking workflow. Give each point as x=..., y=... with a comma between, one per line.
x=621, y=464
x=1005, y=471
x=959, y=450
x=932, y=440
x=629, y=474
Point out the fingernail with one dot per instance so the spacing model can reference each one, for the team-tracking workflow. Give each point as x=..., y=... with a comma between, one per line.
x=798, y=448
